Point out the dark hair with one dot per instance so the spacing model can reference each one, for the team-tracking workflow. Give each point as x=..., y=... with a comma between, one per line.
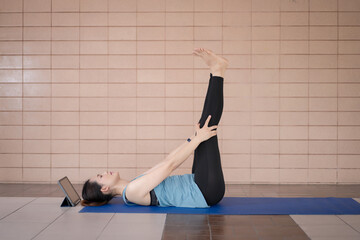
x=92, y=195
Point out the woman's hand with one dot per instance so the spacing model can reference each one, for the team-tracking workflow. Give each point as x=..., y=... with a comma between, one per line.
x=205, y=132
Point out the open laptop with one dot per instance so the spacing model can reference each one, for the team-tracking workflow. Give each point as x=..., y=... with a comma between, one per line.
x=72, y=197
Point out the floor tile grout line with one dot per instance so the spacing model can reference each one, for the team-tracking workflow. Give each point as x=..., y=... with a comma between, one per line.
x=105, y=226
x=347, y=224
x=208, y=223
x=50, y=223
x=300, y=226
x=164, y=225
x=17, y=209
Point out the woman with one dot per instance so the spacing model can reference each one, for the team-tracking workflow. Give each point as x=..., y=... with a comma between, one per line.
x=203, y=188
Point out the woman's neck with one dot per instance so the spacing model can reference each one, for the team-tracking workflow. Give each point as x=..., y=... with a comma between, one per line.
x=120, y=186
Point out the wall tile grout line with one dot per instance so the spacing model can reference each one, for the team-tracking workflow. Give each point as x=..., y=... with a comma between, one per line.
x=164, y=110
x=51, y=94
x=165, y=85
x=107, y=88
x=251, y=93
x=170, y=40
x=308, y=97
x=137, y=84
x=221, y=140
x=22, y=91
x=337, y=92
x=95, y=12
x=193, y=69
x=279, y=89
x=79, y=91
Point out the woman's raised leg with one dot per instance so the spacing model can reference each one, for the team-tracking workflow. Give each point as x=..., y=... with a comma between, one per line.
x=207, y=162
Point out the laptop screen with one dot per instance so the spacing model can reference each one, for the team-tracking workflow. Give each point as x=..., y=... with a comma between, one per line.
x=69, y=190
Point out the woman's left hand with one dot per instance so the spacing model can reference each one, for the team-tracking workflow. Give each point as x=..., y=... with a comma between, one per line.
x=205, y=132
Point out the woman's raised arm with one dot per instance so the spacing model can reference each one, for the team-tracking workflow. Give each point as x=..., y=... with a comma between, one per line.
x=202, y=134
x=140, y=187
x=170, y=155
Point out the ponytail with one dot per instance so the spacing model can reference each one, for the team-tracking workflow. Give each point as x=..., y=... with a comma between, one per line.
x=86, y=203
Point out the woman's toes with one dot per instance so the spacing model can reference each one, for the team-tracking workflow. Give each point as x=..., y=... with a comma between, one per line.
x=197, y=51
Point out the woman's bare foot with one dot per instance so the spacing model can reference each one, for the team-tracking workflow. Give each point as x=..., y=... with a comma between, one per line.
x=216, y=63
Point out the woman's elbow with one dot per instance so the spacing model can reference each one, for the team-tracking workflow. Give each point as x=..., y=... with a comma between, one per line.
x=170, y=165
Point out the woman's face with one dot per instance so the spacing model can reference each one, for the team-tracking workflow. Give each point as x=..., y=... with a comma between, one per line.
x=106, y=179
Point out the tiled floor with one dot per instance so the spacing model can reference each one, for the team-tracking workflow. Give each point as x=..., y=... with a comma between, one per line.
x=32, y=211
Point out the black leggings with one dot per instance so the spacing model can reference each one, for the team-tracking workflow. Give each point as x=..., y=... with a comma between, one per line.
x=207, y=163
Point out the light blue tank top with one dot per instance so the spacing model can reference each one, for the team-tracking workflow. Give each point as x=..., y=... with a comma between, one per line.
x=177, y=191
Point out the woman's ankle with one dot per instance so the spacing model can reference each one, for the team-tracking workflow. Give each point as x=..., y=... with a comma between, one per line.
x=218, y=73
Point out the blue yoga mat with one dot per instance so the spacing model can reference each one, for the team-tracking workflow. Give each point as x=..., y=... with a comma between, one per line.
x=244, y=206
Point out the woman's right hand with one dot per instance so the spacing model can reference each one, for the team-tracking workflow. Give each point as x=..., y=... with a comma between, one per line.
x=205, y=132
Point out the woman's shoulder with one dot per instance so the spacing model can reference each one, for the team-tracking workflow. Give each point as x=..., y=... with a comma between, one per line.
x=128, y=187
x=130, y=197
x=130, y=194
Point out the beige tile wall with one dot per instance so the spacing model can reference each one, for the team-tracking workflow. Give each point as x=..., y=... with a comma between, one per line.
x=94, y=85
